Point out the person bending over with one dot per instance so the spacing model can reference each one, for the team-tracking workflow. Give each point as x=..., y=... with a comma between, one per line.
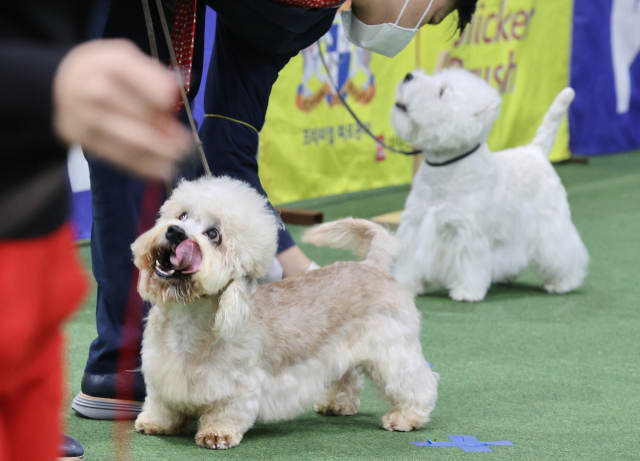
x=254, y=40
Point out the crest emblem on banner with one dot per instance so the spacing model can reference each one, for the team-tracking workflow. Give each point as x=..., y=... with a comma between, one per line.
x=348, y=67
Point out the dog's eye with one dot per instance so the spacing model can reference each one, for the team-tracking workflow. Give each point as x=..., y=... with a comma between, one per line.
x=442, y=90
x=183, y=216
x=214, y=235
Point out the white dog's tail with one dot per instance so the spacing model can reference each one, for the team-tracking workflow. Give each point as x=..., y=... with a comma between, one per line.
x=362, y=237
x=546, y=134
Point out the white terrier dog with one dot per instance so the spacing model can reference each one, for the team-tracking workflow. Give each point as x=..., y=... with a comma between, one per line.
x=220, y=348
x=474, y=217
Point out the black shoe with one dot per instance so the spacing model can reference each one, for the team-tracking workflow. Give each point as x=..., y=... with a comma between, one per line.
x=97, y=399
x=70, y=448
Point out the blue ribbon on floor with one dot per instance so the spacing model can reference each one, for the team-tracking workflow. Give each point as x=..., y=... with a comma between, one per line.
x=466, y=442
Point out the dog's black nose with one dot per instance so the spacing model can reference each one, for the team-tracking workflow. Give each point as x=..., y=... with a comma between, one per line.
x=408, y=77
x=176, y=235
x=402, y=107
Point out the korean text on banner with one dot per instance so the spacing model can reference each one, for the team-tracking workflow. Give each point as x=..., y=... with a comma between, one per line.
x=310, y=145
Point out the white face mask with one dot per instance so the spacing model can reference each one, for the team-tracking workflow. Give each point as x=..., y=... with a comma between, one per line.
x=387, y=39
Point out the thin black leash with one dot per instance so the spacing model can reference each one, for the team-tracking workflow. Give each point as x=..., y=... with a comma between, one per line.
x=176, y=69
x=355, y=117
x=153, y=47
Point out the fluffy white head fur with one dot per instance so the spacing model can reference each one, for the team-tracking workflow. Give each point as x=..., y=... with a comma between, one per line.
x=245, y=242
x=433, y=111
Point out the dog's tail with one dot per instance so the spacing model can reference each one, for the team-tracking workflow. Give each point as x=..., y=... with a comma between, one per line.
x=547, y=131
x=364, y=238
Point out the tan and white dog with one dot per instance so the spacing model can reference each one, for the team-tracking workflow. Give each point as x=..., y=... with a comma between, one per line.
x=222, y=349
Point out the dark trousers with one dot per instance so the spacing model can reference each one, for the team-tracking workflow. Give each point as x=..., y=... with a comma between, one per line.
x=254, y=40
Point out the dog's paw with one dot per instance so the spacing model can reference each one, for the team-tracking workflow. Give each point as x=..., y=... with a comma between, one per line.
x=217, y=439
x=146, y=425
x=337, y=408
x=469, y=295
x=403, y=420
x=559, y=287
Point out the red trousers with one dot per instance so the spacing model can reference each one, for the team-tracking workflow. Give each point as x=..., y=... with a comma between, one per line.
x=41, y=284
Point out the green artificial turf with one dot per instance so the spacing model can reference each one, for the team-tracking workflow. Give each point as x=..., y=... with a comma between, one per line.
x=558, y=375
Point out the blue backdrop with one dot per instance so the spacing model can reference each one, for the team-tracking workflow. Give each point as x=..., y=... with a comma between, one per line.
x=605, y=72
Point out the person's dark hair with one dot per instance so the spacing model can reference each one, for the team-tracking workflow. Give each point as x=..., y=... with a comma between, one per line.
x=465, y=8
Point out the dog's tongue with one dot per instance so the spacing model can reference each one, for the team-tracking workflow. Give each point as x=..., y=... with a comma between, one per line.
x=187, y=258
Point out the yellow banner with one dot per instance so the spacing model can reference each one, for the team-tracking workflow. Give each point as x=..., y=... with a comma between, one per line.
x=522, y=48
x=311, y=146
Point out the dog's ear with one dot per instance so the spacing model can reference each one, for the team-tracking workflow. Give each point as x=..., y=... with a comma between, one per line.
x=141, y=249
x=488, y=109
x=234, y=307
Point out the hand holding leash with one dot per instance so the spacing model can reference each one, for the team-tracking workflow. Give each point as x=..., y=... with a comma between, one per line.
x=119, y=104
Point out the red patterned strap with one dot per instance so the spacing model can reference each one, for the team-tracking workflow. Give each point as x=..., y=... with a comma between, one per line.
x=310, y=3
x=183, y=37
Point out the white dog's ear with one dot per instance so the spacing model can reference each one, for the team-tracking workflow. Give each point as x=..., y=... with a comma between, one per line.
x=234, y=307
x=488, y=109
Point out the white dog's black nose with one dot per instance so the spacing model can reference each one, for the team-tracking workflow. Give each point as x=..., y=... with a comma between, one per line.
x=176, y=235
x=408, y=77
x=402, y=107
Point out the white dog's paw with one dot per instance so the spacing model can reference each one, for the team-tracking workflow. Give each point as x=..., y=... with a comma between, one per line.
x=466, y=294
x=145, y=424
x=217, y=439
x=508, y=279
x=560, y=287
x=403, y=420
x=334, y=408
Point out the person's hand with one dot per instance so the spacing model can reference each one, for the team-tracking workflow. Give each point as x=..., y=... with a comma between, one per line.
x=119, y=105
